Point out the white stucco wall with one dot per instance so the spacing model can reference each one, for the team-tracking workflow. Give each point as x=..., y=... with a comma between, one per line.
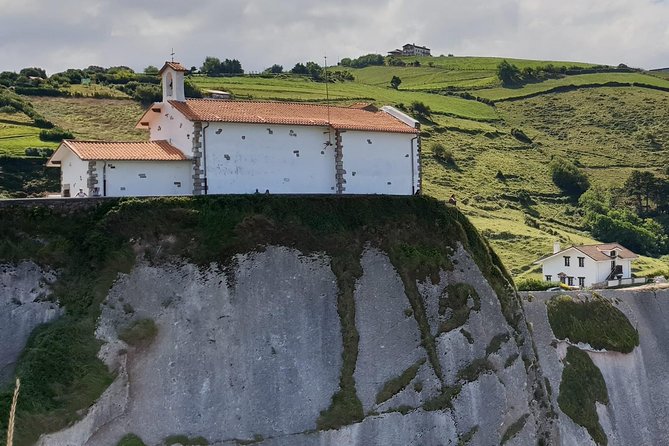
x=74, y=173
x=123, y=178
x=240, y=158
x=379, y=163
x=593, y=271
x=172, y=126
x=555, y=266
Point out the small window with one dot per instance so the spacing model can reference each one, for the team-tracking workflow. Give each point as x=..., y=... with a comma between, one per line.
x=570, y=281
x=566, y=260
x=549, y=278
x=581, y=282
x=581, y=262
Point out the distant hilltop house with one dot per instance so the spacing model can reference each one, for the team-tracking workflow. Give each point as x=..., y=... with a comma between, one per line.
x=216, y=146
x=591, y=266
x=410, y=49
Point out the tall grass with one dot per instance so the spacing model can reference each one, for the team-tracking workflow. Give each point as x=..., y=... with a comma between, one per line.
x=12, y=414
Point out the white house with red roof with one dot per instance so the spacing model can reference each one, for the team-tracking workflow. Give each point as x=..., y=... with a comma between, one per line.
x=217, y=146
x=589, y=266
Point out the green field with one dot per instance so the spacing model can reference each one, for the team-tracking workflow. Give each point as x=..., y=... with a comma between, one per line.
x=426, y=78
x=94, y=119
x=487, y=63
x=17, y=134
x=302, y=89
x=499, y=93
x=501, y=183
x=92, y=90
x=610, y=131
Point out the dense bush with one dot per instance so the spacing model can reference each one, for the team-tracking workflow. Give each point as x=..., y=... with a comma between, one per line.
x=644, y=236
x=508, y=73
x=442, y=154
x=568, y=177
x=395, y=62
x=42, y=152
x=55, y=134
x=420, y=109
x=212, y=66
x=146, y=94
x=521, y=136
x=395, y=82
x=613, y=216
x=362, y=61
x=529, y=284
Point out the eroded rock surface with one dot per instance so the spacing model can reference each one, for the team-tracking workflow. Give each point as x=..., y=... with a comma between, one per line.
x=24, y=290
x=255, y=353
x=637, y=382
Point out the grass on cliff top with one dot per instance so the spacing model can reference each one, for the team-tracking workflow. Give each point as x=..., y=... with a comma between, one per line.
x=596, y=322
x=94, y=119
x=581, y=387
x=92, y=246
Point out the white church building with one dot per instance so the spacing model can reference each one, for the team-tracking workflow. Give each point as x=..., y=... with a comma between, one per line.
x=218, y=146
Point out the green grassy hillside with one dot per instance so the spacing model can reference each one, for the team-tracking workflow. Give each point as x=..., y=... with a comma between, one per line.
x=610, y=123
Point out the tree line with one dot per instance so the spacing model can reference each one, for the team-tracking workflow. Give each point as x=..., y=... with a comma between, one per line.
x=635, y=214
x=512, y=76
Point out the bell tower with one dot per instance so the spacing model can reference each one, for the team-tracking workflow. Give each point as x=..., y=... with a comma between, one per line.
x=172, y=75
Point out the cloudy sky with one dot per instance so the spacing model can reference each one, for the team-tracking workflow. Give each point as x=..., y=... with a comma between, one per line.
x=76, y=33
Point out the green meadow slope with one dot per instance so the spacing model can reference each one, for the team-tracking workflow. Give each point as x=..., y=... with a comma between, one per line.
x=609, y=122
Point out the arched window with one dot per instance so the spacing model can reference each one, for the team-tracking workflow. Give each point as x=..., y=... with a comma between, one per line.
x=169, y=85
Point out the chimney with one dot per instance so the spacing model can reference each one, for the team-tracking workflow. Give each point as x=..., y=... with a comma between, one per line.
x=556, y=247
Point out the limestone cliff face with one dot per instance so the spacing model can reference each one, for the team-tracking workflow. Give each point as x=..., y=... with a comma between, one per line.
x=256, y=354
x=24, y=288
x=297, y=321
x=637, y=382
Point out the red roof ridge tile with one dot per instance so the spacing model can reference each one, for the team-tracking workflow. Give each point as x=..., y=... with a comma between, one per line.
x=292, y=113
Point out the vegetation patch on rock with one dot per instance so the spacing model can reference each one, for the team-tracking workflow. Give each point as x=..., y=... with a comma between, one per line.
x=130, y=440
x=456, y=300
x=581, y=387
x=595, y=321
x=185, y=441
x=514, y=429
x=139, y=333
x=393, y=386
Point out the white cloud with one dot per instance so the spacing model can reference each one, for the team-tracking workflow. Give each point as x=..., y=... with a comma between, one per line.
x=78, y=33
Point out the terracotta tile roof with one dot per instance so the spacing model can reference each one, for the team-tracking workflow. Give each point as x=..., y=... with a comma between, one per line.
x=596, y=252
x=176, y=66
x=125, y=151
x=601, y=252
x=290, y=113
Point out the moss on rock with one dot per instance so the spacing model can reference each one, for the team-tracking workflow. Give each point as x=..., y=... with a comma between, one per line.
x=596, y=322
x=581, y=387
